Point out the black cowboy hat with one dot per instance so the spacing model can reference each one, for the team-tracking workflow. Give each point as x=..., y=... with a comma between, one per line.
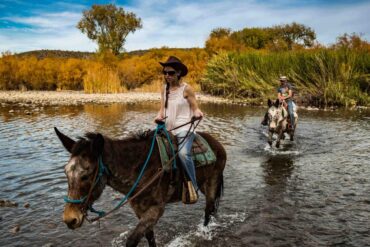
x=175, y=63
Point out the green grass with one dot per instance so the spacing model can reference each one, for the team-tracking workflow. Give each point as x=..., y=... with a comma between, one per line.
x=325, y=77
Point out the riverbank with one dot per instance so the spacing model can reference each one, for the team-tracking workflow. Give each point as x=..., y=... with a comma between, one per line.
x=80, y=98
x=66, y=98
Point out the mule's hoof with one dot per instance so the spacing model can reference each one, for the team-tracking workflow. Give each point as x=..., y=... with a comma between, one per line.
x=291, y=138
x=277, y=144
x=131, y=242
x=206, y=221
x=270, y=143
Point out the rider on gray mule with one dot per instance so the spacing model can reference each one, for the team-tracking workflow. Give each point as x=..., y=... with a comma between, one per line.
x=285, y=96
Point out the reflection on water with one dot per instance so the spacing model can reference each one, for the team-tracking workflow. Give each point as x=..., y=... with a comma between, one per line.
x=310, y=192
x=277, y=170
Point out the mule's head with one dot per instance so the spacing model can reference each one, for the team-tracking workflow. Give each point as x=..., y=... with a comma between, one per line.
x=275, y=114
x=81, y=171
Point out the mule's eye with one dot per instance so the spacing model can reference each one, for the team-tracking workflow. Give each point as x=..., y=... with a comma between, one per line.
x=84, y=178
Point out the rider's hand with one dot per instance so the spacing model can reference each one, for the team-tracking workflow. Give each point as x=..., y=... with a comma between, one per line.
x=158, y=118
x=198, y=113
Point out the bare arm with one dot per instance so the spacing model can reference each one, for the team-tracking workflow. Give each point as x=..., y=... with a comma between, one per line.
x=160, y=114
x=281, y=97
x=190, y=96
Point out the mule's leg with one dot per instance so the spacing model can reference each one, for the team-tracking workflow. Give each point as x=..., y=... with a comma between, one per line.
x=150, y=237
x=213, y=189
x=280, y=133
x=145, y=227
x=292, y=135
x=270, y=138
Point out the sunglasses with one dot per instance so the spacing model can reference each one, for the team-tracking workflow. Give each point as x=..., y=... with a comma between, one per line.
x=171, y=72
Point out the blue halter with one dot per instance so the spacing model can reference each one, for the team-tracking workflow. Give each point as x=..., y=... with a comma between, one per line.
x=102, y=169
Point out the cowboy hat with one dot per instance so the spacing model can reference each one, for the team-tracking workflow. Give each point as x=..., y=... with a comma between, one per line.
x=283, y=78
x=175, y=63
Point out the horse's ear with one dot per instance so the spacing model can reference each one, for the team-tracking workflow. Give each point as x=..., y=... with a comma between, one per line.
x=98, y=145
x=66, y=141
x=277, y=103
x=269, y=102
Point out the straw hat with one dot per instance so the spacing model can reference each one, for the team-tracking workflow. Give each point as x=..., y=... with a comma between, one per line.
x=283, y=78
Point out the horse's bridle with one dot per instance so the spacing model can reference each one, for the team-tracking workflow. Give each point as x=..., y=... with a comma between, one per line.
x=84, y=201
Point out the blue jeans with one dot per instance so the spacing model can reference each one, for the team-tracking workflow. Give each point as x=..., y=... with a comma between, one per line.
x=291, y=112
x=185, y=155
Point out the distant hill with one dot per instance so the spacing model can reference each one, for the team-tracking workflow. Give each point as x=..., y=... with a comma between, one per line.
x=40, y=54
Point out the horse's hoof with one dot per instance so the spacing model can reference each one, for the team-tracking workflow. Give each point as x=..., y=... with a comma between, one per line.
x=291, y=138
x=270, y=143
x=131, y=242
x=277, y=145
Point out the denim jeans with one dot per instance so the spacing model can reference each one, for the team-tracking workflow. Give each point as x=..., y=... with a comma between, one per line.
x=185, y=155
x=291, y=112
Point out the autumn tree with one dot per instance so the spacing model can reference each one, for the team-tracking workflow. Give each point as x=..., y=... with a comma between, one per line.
x=277, y=38
x=295, y=34
x=108, y=26
x=353, y=41
x=220, y=40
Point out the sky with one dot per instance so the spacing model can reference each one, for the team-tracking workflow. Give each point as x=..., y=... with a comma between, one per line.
x=51, y=24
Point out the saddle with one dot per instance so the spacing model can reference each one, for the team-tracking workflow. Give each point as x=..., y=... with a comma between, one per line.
x=202, y=153
x=180, y=186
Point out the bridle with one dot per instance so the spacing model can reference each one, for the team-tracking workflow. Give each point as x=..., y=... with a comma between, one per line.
x=85, y=200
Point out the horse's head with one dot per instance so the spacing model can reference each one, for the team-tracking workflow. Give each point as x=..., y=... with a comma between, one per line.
x=276, y=113
x=85, y=185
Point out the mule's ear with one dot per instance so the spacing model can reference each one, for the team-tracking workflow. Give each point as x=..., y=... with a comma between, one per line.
x=98, y=145
x=269, y=102
x=66, y=141
x=277, y=103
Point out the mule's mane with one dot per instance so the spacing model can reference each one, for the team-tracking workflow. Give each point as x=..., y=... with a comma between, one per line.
x=83, y=143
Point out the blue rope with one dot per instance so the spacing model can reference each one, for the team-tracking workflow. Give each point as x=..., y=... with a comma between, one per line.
x=98, y=212
x=76, y=201
x=123, y=200
x=172, y=149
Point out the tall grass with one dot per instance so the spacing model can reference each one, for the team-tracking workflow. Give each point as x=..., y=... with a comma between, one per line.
x=323, y=76
x=102, y=79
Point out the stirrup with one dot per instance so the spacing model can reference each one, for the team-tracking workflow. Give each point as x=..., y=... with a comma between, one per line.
x=189, y=195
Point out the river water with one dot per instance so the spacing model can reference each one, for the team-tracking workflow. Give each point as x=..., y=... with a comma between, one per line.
x=314, y=191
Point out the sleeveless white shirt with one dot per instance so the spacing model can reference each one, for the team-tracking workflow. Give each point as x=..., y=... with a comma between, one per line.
x=178, y=110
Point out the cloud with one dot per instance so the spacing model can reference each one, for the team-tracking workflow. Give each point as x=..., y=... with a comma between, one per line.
x=183, y=24
x=47, y=20
x=189, y=24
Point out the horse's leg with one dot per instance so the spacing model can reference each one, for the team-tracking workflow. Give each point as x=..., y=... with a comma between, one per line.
x=270, y=138
x=150, y=237
x=212, y=190
x=280, y=133
x=292, y=135
x=293, y=131
x=148, y=219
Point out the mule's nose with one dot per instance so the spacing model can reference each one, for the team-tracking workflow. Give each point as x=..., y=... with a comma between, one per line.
x=72, y=218
x=71, y=222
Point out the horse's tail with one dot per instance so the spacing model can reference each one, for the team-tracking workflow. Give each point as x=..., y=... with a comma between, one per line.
x=219, y=191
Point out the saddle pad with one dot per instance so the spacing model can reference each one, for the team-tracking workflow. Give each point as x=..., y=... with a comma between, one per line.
x=201, y=158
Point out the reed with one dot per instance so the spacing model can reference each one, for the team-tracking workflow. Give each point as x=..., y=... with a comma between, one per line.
x=102, y=79
x=325, y=76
